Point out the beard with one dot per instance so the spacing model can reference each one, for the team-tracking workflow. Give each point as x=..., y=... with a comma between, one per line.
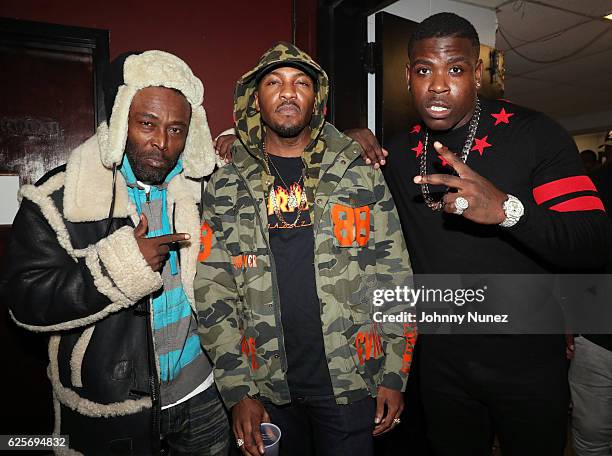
x=144, y=172
x=289, y=131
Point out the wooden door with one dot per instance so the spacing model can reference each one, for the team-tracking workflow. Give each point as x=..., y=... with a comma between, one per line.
x=51, y=92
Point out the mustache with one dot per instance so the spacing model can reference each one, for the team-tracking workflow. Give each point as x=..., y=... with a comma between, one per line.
x=156, y=155
x=288, y=103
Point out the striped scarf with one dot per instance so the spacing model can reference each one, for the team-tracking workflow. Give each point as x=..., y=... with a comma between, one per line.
x=176, y=341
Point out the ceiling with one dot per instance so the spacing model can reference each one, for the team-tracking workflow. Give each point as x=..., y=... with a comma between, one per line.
x=558, y=55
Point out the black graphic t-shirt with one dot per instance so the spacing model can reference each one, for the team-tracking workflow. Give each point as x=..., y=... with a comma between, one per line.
x=293, y=250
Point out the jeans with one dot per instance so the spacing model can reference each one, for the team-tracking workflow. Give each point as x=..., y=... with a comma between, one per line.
x=590, y=379
x=316, y=425
x=198, y=426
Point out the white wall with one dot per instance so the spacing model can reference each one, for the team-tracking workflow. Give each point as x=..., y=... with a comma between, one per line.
x=9, y=186
x=483, y=19
x=591, y=121
x=590, y=141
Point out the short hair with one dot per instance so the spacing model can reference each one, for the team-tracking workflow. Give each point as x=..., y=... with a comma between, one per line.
x=444, y=25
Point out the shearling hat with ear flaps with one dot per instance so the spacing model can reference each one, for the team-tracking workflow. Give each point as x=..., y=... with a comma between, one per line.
x=154, y=69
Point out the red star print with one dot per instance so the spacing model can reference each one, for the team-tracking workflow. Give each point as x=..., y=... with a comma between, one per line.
x=418, y=149
x=502, y=116
x=481, y=145
x=416, y=129
x=444, y=162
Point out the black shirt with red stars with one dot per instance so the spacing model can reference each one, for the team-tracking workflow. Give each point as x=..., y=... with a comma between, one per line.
x=523, y=153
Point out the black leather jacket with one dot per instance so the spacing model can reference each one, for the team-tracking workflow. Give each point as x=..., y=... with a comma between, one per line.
x=102, y=371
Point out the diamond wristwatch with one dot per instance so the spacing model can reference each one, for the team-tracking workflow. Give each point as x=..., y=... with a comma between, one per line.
x=514, y=210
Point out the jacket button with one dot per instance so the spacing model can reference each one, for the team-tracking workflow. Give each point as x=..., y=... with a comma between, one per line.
x=343, y=162
x=277, y=356
x=270, y=306
x=319, y=201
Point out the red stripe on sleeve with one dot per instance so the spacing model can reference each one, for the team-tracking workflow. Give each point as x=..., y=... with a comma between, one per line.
x=582, y=203
x=560, y=187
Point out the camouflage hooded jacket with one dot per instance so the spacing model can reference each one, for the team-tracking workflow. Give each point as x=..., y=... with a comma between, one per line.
x=358, y=247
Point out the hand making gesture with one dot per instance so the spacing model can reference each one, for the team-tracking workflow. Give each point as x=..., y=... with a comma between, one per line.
x=475, y=197
x=155, y=250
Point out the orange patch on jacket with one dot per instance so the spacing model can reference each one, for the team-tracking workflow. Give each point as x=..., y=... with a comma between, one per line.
x=368, y=344
x=351, y=224
x=206, y=233
x=410, y=334
x=249, y=348
x=244, y=261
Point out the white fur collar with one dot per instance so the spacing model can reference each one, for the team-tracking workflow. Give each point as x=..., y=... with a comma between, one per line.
x=88, y=187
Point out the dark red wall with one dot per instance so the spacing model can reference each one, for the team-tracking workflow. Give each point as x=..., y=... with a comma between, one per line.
x=220, y=40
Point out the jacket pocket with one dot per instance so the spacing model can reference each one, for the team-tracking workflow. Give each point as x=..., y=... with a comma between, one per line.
x=351, y=213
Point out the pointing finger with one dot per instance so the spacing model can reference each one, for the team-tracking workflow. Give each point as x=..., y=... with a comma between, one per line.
x=441, y=179
x=170, y=238
x=455, y=162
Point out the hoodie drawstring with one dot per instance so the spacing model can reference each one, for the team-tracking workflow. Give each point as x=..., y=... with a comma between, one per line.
x=112, y=205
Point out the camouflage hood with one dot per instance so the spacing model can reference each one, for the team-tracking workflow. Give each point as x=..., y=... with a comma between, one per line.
x=248, y=119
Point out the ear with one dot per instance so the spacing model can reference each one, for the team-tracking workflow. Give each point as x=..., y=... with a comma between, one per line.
x=257, y=101
x=478, y=73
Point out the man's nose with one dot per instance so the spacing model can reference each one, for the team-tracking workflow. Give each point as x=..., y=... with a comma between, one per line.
x=288, y=92
x=439, y=83
x=160, y=140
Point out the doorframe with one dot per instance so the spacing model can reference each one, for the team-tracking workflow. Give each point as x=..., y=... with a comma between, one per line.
x=343, y=52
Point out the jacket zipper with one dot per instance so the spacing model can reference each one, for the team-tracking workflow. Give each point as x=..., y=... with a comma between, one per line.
x=153, y=384
x=153, y=374
x=275, y=293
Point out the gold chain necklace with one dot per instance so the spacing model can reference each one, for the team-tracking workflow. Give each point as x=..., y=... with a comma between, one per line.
x=292, y=202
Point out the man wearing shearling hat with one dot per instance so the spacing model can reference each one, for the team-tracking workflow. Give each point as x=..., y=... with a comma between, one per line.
x=103, y=256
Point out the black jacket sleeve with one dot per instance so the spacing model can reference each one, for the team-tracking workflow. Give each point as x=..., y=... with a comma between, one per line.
x=564, y=223
x=44, y=285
